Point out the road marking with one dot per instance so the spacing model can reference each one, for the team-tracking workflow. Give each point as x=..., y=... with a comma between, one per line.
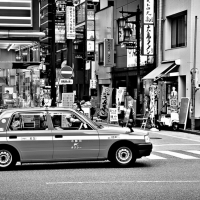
x=162, y=145
x=111, y=182
x=152, y=157
x=178, y=155
x=178, y=137
x=194, y=151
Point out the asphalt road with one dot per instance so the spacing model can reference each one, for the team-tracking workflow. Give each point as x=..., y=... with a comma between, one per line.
x=171, y=172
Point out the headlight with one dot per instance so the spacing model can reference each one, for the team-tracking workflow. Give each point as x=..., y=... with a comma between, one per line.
x=146, y=138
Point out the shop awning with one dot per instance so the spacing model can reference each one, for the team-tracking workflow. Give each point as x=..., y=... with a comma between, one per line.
x=159, y=71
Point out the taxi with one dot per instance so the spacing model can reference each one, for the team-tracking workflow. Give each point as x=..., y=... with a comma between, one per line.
x=58, y=134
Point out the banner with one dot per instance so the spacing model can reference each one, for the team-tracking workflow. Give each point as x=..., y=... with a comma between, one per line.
x=105, y=97
x=119, y=95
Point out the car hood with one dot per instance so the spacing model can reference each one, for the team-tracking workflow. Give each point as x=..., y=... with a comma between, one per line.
x=121, y=130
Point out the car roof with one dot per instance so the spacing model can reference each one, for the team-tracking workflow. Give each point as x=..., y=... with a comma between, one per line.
x=12, y=110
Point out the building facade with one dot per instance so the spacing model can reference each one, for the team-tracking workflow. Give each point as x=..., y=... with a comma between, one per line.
x=177, y=54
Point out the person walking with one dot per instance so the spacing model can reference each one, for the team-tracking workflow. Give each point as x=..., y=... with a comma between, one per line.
x=131, y=120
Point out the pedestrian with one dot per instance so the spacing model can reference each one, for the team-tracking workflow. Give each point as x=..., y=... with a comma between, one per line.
x=77, y=107
x=131, y=120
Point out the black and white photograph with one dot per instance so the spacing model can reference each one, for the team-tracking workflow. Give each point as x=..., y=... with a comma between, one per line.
x=99, y=100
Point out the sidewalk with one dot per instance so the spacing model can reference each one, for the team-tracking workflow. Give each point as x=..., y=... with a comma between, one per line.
x=105, y=123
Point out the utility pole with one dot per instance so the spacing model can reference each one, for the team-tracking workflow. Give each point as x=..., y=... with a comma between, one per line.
x=53, y=69
x=138, y=59
x=193, y=77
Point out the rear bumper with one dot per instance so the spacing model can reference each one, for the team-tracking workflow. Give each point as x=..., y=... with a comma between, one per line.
x=144, y=149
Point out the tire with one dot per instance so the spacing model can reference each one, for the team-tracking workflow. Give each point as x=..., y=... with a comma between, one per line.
x=175, y=126
x=124, y=156
x=7, y=160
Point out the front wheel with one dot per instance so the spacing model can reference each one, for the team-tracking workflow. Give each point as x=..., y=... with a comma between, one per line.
x=124, y=156
x=6, y=159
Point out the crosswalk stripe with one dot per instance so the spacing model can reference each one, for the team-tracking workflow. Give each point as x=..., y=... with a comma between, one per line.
x=178, y=155
x=194, y=151
x=152, y=157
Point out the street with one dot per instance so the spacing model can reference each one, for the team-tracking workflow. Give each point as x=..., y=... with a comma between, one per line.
x=171, y=172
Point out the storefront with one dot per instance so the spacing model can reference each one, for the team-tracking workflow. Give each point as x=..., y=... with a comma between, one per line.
x=165, y=83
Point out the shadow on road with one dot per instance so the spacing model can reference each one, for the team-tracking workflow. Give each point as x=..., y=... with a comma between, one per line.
x=74, y=165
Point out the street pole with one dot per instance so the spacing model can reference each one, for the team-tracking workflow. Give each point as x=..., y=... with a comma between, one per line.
x=138, y=59
x=53, y=70
x=193, y=76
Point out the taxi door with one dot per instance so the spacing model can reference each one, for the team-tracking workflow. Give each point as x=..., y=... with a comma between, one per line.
x=33, y=140
x=73, y=144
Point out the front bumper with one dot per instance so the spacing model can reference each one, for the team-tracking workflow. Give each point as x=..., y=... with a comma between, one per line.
x=144, y=149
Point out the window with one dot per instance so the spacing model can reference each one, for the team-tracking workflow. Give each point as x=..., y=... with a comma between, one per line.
x=28, y=121
x=178, y=30
x=67, y=121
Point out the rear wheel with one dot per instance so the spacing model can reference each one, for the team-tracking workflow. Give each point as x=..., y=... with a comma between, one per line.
x=175, y=126
x=124, y=156
x=7, y=159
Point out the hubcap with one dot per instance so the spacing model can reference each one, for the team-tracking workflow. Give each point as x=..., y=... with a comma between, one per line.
x=5, y=158
x=123, y=155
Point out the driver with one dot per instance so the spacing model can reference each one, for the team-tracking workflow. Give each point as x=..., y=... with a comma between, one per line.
x=70, y=119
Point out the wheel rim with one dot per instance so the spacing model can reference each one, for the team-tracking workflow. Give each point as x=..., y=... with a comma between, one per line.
x=5, y=158
x=124, y=155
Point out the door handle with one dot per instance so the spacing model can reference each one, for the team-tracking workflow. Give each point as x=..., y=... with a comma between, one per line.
x=13, y=137
x=58, y=136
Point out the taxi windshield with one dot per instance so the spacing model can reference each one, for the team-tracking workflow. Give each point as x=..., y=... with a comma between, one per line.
x=98, y=126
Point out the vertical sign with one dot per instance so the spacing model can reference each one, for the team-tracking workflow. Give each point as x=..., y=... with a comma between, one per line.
x=148, y=11
x=70, y=22
x=108, y=52
x=148, y=28
x=106, y=96
x=148, y=39
x=113, y=114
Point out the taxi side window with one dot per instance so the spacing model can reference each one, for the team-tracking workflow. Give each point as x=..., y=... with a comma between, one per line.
x=67, y=121
x=29, y=121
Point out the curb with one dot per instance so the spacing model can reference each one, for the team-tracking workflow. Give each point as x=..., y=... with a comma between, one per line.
x=195, y=132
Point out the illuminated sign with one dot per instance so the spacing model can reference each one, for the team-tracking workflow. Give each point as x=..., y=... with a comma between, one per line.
x=148, y=11
x=15, y=13
x=70, y=22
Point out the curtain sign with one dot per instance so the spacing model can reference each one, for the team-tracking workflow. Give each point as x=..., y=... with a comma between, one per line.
x=105, y=97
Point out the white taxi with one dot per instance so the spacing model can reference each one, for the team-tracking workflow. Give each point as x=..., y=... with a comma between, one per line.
x=62, y=134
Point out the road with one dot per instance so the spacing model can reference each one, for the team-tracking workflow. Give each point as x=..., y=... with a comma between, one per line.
x=171, y=172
